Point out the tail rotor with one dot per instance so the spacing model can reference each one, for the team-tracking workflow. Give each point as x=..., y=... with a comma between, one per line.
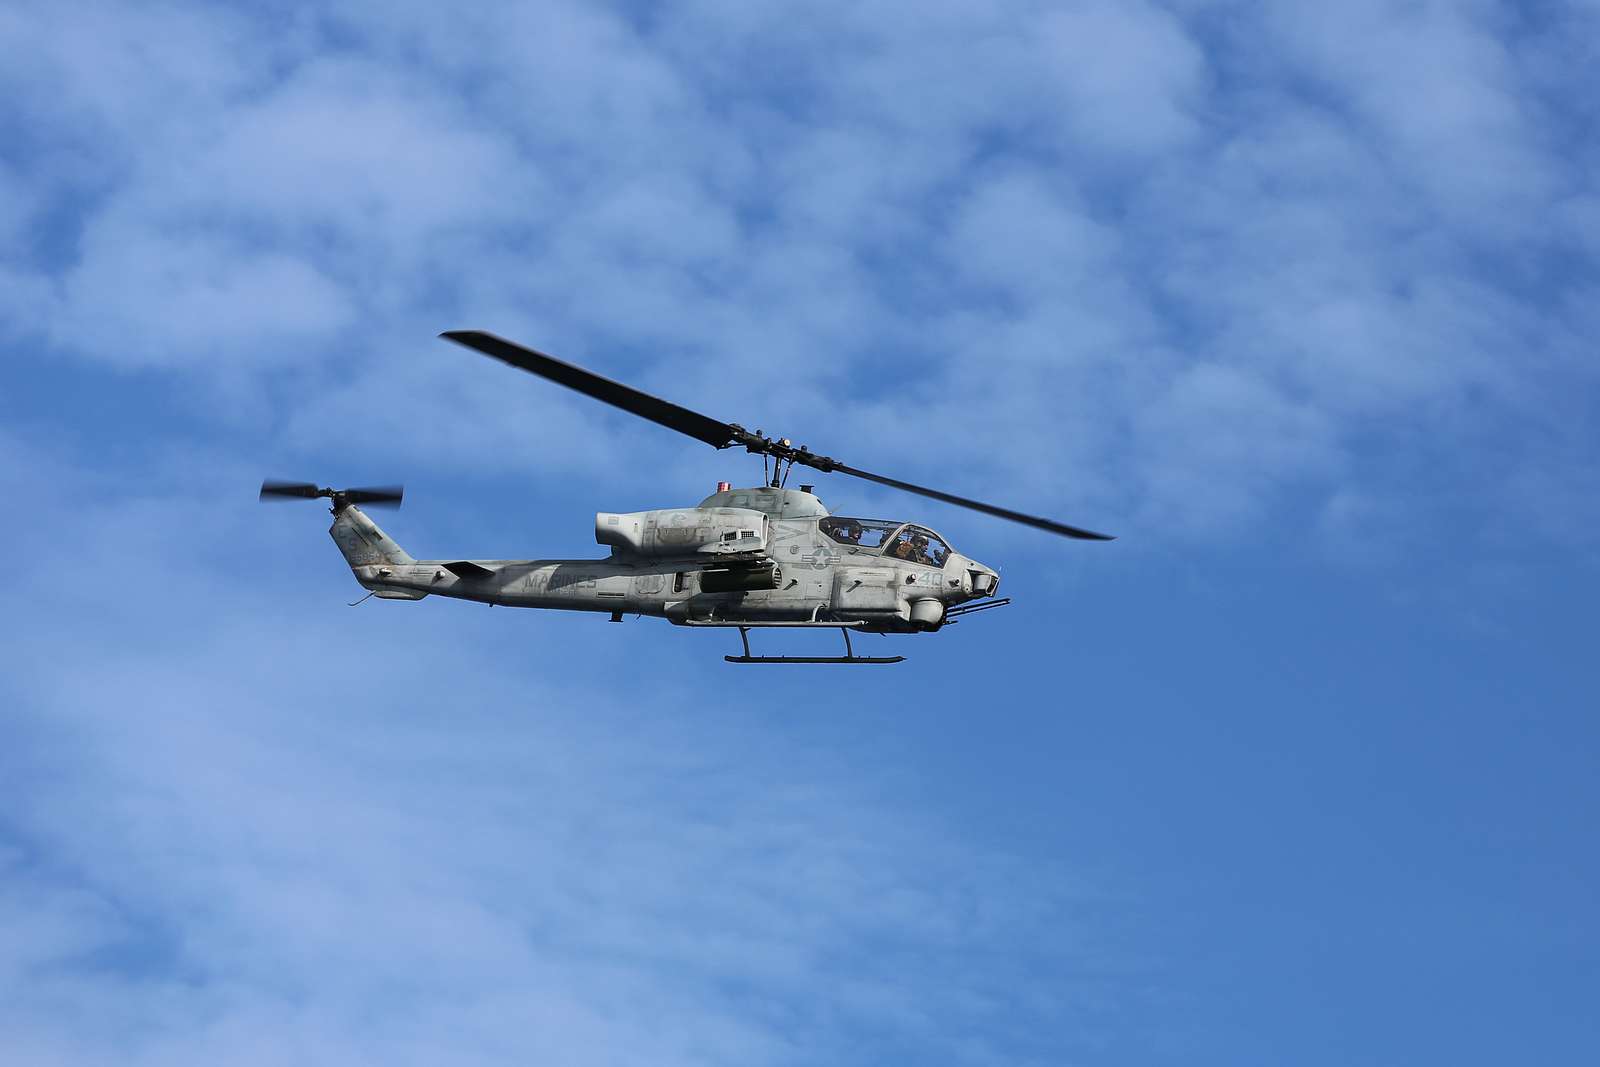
x=383, y=496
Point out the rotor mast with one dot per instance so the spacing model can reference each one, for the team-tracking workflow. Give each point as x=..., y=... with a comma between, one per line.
x=781, y=450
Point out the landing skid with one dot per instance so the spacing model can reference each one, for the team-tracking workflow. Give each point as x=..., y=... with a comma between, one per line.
x=848, y=657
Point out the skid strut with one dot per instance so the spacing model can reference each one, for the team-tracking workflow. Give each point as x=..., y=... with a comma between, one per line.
x=848, y=657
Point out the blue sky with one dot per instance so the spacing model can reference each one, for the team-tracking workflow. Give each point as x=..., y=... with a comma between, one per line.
x=1299, y=300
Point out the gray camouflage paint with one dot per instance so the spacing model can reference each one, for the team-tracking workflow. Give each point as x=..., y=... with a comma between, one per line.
x=820, y=580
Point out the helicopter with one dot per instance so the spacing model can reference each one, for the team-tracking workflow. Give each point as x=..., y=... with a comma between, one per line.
x=764, y=557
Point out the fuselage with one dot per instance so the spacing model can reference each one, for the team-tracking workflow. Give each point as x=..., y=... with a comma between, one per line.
x=742, y=555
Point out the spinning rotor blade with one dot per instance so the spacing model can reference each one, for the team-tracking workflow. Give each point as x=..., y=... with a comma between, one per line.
x=271, y=489
x=722, y=434
x=380, y=495
x=373, y=496
x=976, y=505
x=714, y=433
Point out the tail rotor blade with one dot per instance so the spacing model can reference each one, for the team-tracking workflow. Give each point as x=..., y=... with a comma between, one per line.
x=387, y=496
x=272, y=489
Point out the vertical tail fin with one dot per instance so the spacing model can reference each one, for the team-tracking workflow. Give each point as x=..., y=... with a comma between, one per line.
x=361, y=542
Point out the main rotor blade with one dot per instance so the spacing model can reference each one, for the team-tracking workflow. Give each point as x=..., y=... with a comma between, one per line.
x=662, y=412
x=720, y=434
x=976, y=505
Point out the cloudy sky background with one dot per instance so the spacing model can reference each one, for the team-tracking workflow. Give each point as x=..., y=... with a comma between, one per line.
x=1298, y=300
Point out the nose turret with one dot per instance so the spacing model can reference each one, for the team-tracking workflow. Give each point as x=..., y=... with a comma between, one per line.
x=969, y=579
x=985, y=580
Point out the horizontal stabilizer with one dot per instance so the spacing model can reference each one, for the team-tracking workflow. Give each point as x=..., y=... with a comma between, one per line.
x=464, y=569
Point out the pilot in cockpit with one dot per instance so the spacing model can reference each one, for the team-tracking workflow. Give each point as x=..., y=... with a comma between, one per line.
x=911, y=546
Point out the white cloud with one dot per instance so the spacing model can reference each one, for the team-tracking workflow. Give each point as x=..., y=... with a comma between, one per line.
x=1440, y=89
x=1131, y=76
x=1016, y=234
x=351, y=154
x=146, y=297
x=1220, y=439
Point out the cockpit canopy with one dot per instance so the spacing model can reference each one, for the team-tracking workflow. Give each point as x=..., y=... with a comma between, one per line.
x=899, y=540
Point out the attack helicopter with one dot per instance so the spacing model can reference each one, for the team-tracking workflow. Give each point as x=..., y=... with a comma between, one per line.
x=751, y=558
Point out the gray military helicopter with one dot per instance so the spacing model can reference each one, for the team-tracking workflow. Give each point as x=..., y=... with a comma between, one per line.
x=763, y=557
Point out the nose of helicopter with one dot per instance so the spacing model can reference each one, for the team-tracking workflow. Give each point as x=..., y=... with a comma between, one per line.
x=972, y=579
x=985, y=582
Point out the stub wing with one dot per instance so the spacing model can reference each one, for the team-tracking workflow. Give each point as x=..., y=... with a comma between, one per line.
x=466, y=569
